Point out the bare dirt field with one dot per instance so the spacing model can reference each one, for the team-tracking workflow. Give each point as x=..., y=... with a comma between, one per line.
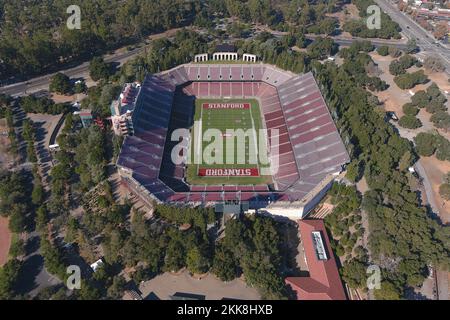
x=443, y=280
x=440, y=78
x=167, y=284
x=394, y=98
x=68, y=99
x=5, y=240
x=350, y=12
x=436, y=170
x=362, y=185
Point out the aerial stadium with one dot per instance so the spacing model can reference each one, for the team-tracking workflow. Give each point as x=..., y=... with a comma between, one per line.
x=167, y=122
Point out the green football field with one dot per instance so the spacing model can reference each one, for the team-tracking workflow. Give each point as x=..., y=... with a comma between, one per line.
x=229, y=156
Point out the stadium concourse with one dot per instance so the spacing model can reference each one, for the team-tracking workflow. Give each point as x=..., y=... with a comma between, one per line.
x=310, y=151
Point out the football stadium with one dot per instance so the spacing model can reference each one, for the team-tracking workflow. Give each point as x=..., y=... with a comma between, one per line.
x=228, y=133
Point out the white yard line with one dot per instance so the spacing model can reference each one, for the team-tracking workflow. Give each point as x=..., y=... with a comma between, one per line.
x=255, y=138
x=199, y=139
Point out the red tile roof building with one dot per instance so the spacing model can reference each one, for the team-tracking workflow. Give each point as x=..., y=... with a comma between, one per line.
x=323, y=282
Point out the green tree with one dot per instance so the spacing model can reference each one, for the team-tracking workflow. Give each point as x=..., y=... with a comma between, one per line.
x=196, y=262
x=17, y=220
x=8, y=276
x=388, y=291
x=99, y=69
x=420, y=99
x=37, y=196
x=425, y=144
x=441, y=119
x=410, y=80
x=322, y=48
x=175, y=258
x=89, y=291
x=80, y=87
x=444, y=191
x=60, y=83
x=17, y=248
x=117, y=288
x=383, y=51
x=409, y=122
x=224, y=264
x=354, y=274
x=410, y=110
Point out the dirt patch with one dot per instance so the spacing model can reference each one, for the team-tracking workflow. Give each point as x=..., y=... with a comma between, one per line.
x=5, y=240
x=436, y=170
x=394, y=98
x=362, y=185
x=440, y=78
x=349, y=12
x=165, y=285
x=57, y=98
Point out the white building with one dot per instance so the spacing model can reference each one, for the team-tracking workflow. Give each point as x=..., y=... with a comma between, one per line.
x=122, y=109
x=97, y=264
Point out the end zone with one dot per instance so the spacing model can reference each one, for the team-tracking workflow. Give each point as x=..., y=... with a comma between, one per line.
x=228, y=172
x=244, y=106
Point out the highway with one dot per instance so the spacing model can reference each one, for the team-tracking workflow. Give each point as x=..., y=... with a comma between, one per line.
x=412, y=30
x=344, y=41
x=120, y=57
x=81, y=71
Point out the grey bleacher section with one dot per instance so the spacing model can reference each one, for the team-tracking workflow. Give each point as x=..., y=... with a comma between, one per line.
x=317, y=145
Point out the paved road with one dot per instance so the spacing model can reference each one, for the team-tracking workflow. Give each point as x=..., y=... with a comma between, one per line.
x=81, y=71
x=344, y=41
x=22, y=88
x=427, y=186
x=442, y=280
x=412, y=30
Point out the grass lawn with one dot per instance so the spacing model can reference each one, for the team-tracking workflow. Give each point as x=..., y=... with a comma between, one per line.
x=222, y=119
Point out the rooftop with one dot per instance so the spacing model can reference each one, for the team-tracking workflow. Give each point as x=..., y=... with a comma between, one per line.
x=323, y=282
